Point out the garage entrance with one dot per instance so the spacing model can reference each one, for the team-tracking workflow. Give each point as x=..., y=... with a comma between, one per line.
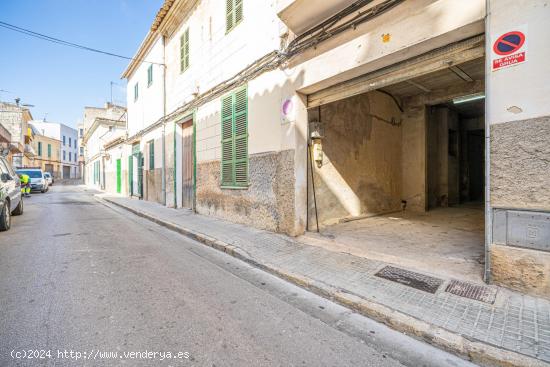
x=401, y=173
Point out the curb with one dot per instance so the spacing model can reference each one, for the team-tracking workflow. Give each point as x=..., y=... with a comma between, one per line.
x=472, y=350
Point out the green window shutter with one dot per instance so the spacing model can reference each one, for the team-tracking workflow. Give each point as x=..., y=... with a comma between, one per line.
x=235, y=139
x=40, y=148
x=184, y=50
x=233, y=14
x=151, y=155
x=150, y=75
x=228, y=15
x=238, y=11
x=136, y=91
x=49, y=150
x=227, y=140
x=241, y=137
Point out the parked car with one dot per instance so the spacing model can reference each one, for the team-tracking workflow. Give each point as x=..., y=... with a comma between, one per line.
x=11, y=200
x=48, y=176
x=36, y=177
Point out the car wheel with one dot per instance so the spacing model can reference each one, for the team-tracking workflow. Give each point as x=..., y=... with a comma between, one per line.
x=19, y=209
x=42, y=191
x=5, y=217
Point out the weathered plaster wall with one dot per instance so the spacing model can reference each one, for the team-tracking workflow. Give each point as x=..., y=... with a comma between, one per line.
x=443, y=169
x=414, y=164
x=521, y=269
x=268, y=203
x=520, y=164
x=361, y=170
x=153, y=185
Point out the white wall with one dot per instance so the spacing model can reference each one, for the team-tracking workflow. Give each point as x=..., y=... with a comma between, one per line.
x=148, y=108
x=214, y=54
x=530, y=95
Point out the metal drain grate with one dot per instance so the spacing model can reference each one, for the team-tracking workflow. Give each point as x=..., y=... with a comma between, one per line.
x=472, y=291
x=410, y=278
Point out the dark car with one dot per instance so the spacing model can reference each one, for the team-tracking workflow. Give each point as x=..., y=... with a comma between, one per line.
x=11, y=201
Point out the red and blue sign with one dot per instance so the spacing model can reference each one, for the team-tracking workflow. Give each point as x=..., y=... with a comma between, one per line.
x=509, y=49
x=509, y=43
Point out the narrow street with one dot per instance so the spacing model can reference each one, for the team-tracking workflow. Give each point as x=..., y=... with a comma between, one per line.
x=76, y=275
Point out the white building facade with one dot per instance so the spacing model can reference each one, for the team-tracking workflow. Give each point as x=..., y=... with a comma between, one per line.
x=69, y=150
x=101, y=126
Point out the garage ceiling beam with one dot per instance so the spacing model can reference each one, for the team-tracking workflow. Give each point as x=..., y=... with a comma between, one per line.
x=446, y=94
x=418, y=85
x=439, y=59
x=461, y=73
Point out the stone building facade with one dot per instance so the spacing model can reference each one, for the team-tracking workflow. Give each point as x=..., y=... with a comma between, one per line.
x=15, y=118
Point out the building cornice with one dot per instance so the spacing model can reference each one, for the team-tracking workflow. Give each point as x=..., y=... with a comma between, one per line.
x=98, y=121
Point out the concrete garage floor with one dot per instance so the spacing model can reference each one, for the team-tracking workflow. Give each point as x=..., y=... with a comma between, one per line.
x=444, y=241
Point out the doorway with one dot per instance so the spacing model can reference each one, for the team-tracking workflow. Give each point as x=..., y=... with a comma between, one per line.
x=118, y=176
x=187, y=164
x=401, y=174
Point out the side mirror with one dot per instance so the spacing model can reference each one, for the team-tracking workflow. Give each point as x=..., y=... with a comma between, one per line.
x=5, y=177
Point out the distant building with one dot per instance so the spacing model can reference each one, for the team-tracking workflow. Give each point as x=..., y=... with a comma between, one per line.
x=102, y=128
x=14, y=118
x=68, y=153
x=5, y=139
x=47, y=151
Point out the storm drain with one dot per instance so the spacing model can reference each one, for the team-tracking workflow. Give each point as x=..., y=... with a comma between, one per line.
x=472, y=291
x=410, y=278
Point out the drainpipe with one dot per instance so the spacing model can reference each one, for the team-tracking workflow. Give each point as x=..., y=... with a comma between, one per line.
x=488, y=211
x=163, y=170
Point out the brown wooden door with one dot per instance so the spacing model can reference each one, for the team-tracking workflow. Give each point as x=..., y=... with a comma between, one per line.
x=187, y=161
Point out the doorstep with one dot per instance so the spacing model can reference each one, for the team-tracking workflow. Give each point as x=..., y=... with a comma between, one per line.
x=497, y=327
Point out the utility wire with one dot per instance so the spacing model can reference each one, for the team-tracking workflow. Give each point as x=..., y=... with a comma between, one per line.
x=67, y=43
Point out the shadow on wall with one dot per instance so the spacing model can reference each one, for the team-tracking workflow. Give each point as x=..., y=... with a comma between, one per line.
x=361, y=168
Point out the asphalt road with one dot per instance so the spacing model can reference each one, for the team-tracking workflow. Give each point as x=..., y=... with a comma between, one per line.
x=79, y=276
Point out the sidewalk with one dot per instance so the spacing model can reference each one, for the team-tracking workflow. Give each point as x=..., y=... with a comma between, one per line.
x=514, y=330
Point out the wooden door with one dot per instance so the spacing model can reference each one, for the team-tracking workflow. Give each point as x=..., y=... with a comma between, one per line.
x=187, y=164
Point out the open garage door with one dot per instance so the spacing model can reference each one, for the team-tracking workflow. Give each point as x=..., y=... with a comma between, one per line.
x=401, y=173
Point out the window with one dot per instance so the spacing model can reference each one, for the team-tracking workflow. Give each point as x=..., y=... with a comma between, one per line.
x=184, y=51
x=63, y=139
x=81, y=132
x=81, y=150
x=234, y=169
x=151, y=145
x=63, y=155
x=40, y=149
x=233, y=14
x=69, y=141
x=136, y=91
x=150, y=75
x=70, y=156
x=49, y=150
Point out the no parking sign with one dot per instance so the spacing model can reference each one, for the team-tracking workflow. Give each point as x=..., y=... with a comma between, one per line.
x=509, y=48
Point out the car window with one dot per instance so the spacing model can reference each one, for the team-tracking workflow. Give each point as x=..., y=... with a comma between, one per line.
x=9, y=167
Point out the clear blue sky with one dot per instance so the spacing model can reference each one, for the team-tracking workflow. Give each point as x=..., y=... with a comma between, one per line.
x=60, y=80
